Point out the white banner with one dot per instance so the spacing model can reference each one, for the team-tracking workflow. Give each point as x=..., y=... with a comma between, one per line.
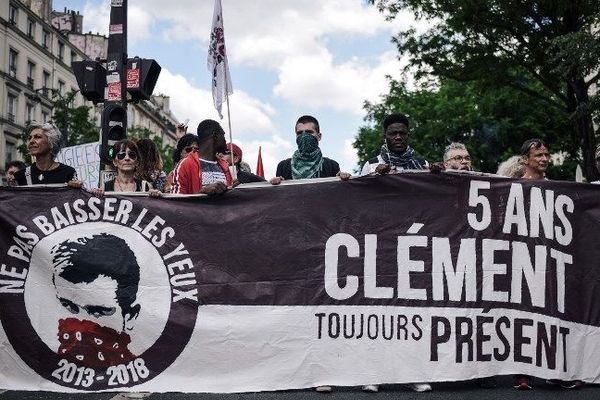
x=85, y=158
x=256, y=348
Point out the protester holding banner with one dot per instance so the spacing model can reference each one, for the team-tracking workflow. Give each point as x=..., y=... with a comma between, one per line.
x=151, y=164
x=201, y=171
x=11, y=168
x=44, y=142
x=535, y=158
x=233, y=156
x=126, y=163
x=457, y=157
x=396, y=153
x=308, y=161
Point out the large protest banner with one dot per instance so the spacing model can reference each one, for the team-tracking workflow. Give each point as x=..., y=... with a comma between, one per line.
x=401, y=278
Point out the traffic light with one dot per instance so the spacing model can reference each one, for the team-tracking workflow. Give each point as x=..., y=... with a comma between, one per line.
x=114, y=128
x=91, y=78
x=142, y=75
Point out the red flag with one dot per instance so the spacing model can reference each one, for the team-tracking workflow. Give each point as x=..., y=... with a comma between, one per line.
x=259, y=167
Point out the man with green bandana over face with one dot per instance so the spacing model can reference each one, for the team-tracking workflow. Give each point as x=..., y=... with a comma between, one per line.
x=308, y=161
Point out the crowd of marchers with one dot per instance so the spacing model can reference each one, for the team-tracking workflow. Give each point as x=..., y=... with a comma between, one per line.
x=206, y=163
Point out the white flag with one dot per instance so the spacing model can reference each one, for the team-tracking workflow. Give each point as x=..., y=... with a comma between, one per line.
x=217, y=60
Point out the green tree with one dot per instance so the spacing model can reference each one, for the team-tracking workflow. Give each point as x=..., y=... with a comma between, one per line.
x=546, y=49
x=166, y=151
x=492, y=123
x=75, y=122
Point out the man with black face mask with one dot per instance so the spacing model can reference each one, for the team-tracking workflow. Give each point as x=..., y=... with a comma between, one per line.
x=308, y=161
x=395, y=154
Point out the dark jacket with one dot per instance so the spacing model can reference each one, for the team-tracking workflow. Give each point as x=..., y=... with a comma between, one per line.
x=328, y=169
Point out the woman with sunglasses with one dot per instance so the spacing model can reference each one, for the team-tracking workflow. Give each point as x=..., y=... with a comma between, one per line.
x=126, y=162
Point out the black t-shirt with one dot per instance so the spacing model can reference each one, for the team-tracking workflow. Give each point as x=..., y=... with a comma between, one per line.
x=61, y=174
x=140, y=186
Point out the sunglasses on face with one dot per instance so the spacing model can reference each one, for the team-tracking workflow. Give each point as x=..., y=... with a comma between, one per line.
x=189, y=149
x=131, y=154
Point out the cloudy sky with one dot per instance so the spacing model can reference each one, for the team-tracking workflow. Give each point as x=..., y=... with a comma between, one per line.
x=287, y=58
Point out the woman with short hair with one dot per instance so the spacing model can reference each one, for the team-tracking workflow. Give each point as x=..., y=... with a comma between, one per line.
x=44, y=141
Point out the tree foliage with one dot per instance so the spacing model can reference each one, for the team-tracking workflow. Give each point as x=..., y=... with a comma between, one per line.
x=546, y=49
x=492, y=123
x=166, y=151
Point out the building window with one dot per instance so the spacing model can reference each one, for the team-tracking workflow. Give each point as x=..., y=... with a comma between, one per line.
x=45, y=116
x=29, y=113
x=45, y=81
x=13, y=56
x=12, y=14
x=73, y=56
x=30, y=28
x=11, y=107
x=61, y=51
x=45, y=39
x=30, y=74
x=61, y=87
x=9, y=151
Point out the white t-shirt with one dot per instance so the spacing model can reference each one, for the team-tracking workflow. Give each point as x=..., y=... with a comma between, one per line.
x=211, y=172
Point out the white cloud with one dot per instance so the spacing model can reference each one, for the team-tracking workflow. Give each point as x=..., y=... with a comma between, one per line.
x=290, y=40
x=249, y=115
x=317, y=82
x=140, y=24
x=252, y=123
x=140, y=21
x=96, y=18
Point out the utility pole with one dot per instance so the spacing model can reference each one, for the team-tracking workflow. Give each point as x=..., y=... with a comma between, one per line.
x=110, y=82
x=114, y=115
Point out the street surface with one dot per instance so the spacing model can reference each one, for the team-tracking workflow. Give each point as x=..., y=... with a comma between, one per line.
x=441, y=391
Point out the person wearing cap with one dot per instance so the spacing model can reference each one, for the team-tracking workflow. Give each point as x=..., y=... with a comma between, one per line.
x=44, y=142
x=233, y=156
x=597, y=164
x=307, y=162
x=395, y=153
x=201, y=171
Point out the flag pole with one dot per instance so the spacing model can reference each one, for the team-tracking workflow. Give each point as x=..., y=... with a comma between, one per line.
x=233, y=168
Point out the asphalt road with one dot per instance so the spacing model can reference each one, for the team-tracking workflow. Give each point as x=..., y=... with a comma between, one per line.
x=441, y=391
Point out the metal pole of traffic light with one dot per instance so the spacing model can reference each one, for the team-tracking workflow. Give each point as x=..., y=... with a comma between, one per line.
x=114, y=115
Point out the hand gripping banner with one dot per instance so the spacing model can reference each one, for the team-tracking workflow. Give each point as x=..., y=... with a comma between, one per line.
x=413, y=277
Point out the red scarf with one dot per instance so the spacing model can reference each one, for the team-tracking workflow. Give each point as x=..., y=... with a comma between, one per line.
x=92, y=345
